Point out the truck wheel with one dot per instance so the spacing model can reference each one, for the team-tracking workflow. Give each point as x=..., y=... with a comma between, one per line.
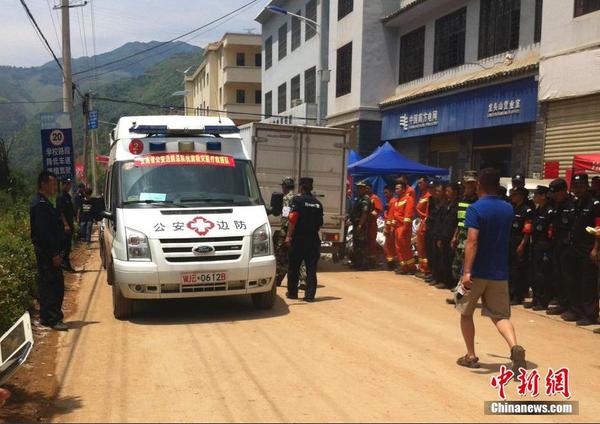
x=265, y=300
x=122, y=307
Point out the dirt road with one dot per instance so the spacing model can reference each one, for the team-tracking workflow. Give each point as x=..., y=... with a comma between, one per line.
x=375, y=347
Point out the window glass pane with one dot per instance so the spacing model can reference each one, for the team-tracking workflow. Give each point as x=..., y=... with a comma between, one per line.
x=344, y=7
x=295, y=88
x=344, y=70
x=240, y=96
x=499, y=26
x=310, y=85
x=412, y=55
x=450, y=34
x=281, y=98
x=257, y=59
x=269, y=104
x=537, y=32
x=311, y=13
x=282, y=41
x=583, y=7
x=296, y=31
x=240, y=59
x=257, y=97
x=269, y=52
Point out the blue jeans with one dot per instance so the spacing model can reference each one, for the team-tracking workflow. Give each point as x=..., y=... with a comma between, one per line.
x=86, y=230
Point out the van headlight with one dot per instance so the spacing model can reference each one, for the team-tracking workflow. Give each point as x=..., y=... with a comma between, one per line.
x=261, y=241
x=138, y=248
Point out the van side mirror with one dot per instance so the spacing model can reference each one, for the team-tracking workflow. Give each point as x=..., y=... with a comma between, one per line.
x=276, y=204
x=107, y=215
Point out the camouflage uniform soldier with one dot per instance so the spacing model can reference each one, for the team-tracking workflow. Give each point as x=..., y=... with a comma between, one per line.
x=281, y=250
x=360, y=214
x=460, y=235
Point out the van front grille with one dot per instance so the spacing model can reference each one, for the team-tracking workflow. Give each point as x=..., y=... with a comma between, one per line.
x=221, y=249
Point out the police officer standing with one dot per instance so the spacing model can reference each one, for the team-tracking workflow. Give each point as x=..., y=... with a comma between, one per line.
x=582, y=258
x=64, y=207
x=46, y=235
x=518, y=283
x=562, y=220
x=306, y=219
x=359, y=218
x=541, y=250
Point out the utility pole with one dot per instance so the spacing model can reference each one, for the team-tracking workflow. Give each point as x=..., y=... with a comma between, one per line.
x=86, y=110
x=66, y=56
x=93, y=134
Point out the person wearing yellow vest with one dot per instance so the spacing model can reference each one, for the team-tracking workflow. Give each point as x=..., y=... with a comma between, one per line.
x=460, y=235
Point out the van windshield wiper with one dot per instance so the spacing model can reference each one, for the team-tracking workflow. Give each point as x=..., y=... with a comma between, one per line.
x=149, y=202
x=205, y=199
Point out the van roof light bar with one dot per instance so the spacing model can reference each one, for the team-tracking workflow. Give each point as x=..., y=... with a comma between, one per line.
x=164, y=129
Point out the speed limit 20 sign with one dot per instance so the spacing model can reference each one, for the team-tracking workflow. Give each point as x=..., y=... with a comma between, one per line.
x=57, y=146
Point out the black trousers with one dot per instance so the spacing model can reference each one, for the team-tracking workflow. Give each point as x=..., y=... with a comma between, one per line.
x=66, y=247
x=542, y=267
x=582, y=283
x=560, y=282
x=51, y=291
x=432, y=255
x=444, y=264
x=308, y=251
x=518, y=280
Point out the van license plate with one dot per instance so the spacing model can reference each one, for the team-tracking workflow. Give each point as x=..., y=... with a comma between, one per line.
x=190, y=278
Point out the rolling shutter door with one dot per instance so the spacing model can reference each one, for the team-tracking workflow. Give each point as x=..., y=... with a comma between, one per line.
x=573, y=127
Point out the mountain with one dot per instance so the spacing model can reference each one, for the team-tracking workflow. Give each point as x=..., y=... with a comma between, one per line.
x=151, y=77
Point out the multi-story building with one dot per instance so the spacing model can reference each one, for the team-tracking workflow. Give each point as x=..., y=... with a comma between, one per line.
x=228, y=81
x=570, y=80
x=291, y=50
x=357, y=70
x=466, y=83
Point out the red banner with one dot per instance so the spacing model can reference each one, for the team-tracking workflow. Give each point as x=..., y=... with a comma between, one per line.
x=102, y=159
x=166, y=159
x=586, y=163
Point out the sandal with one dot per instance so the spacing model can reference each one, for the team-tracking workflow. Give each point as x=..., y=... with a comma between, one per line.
x=465, y=361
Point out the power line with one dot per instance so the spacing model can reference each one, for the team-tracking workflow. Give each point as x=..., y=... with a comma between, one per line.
x=94, y=42
x=53, y=24
x=169, y=41
x=41, y=34
x=172, y=107
x=30, y=102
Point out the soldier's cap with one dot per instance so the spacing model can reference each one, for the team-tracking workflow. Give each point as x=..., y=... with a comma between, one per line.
x=431, y=183
x=288, y=182
x=519, y=191
x=518, y=177
x=470, y=177
x=580, y=179
x=558, y=184
x=361, y=183
x=542, y=190
x=65, y=180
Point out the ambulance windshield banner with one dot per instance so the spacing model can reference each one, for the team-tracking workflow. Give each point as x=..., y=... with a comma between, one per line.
x=166, y=159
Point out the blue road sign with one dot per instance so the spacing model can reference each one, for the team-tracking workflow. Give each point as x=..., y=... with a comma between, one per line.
x=57, y=145
x=93, y=119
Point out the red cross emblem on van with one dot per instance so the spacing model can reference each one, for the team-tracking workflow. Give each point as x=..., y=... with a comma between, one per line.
x=200, y=225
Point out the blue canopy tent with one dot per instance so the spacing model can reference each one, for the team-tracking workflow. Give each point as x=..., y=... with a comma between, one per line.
x=354, y=157
x=388, y=161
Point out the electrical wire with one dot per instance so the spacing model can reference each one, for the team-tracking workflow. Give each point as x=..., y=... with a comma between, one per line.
x=92, y=15
x=19, y=102
x=169, y=41
x=54, y=24
x=41, y=34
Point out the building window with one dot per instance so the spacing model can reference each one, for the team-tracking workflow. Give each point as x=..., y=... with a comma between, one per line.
x=412, y=55
x=282, y=41
x=268, y=52
x=583, y=7
x=296, y=31
x=310, y=85
x=311, y=13
x=343, y=79
x=240, y=96
x=220, y=96
x=537, y=32
x=269, y=104
x=258, y=59
x=295, y=88
x=498, y=26
x=281, y=98
x=344, y=7
x=450, y=32
x=240, y=59
x=257, y=96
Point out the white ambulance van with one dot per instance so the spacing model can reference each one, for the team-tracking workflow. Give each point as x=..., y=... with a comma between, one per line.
x=184, y=215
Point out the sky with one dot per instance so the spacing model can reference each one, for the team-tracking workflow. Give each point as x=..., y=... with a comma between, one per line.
x=116, y=23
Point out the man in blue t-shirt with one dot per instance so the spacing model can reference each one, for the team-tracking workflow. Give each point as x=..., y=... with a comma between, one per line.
x=485, y=270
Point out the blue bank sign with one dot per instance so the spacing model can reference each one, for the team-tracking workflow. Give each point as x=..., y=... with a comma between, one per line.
x=503, y=104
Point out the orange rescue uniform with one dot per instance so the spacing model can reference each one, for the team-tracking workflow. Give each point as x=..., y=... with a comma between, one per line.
x=389, y=247
x=376, y=210
x=403, y=214
x=423, y=212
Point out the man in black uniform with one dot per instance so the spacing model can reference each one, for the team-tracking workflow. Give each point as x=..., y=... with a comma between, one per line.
x=582, y=258
x=64, y=207
x=541, y=250
x=46, y=235
x=562, y=206
x=306, y=219
x=433, y=218
x=359, y=218
x=518, y=283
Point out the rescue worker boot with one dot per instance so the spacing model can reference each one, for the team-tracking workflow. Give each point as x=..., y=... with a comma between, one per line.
x=569, y=316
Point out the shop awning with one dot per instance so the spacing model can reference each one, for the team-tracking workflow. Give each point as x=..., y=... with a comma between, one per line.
x=586, y=163
x=387, y=161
